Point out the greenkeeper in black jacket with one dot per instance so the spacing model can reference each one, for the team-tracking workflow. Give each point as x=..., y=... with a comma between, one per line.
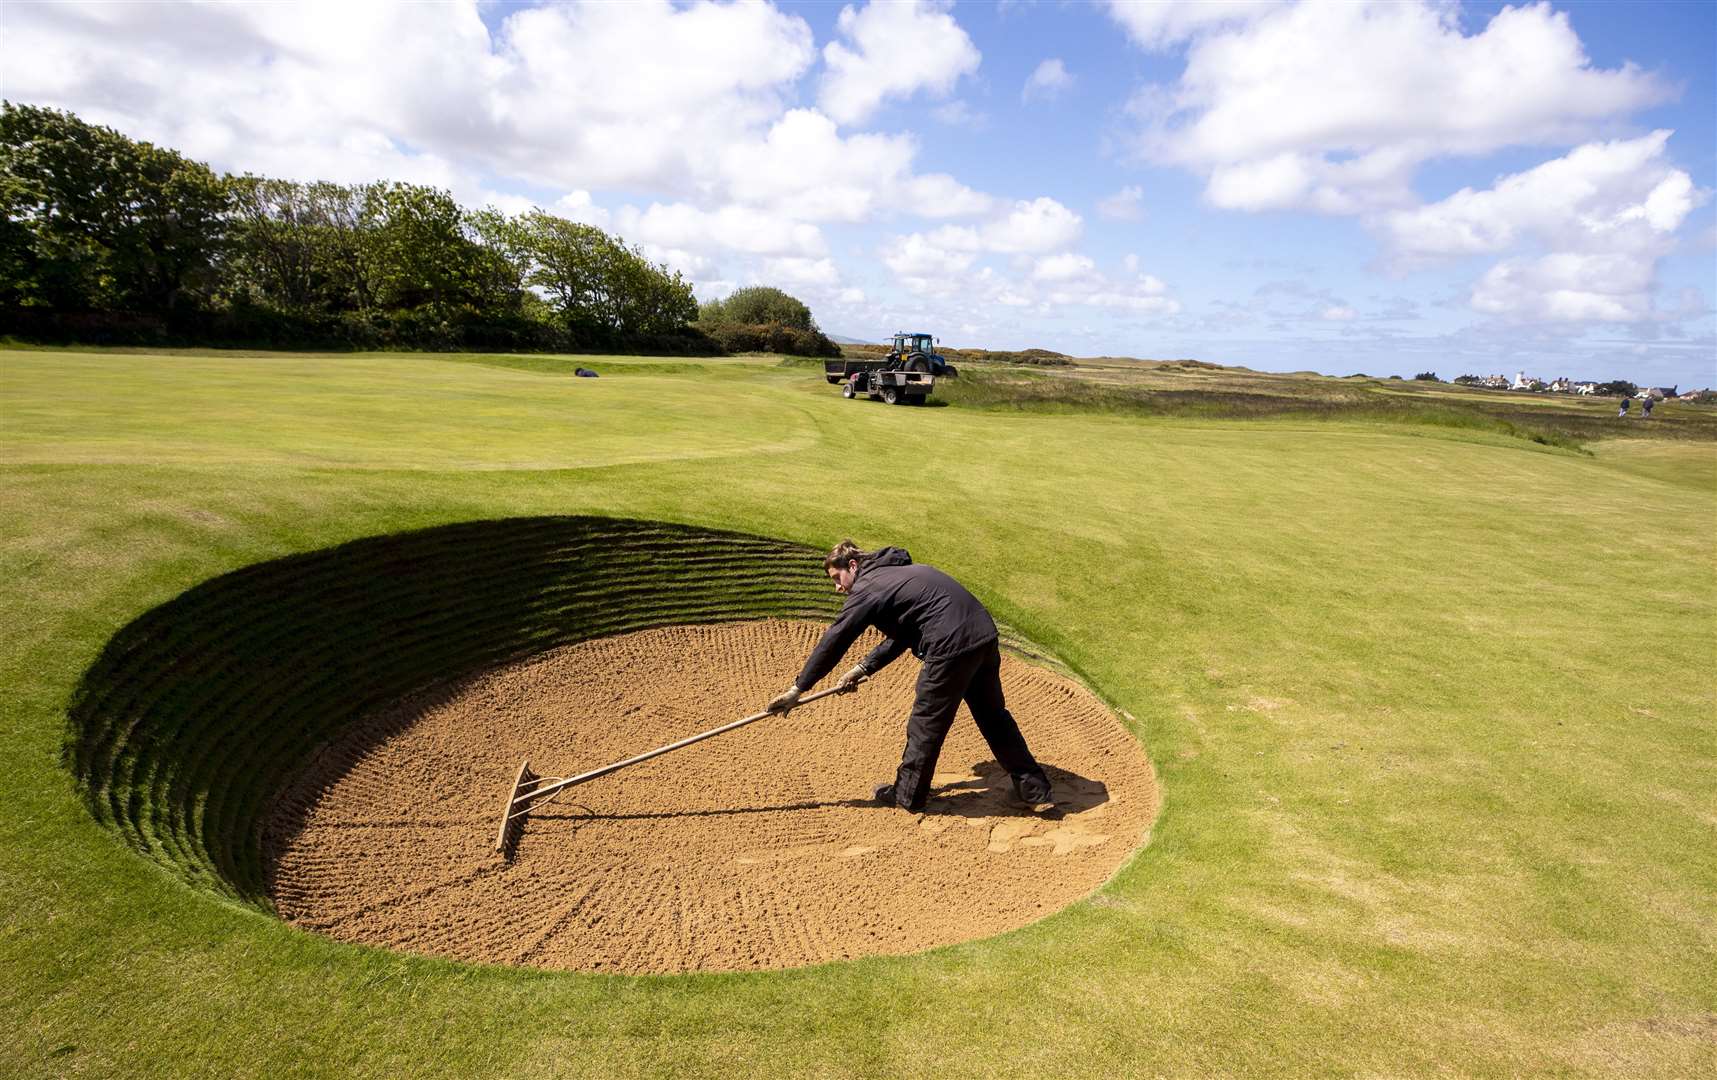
x=922, y=609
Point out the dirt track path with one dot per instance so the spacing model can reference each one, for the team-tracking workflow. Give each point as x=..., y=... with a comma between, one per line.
x=756, y=849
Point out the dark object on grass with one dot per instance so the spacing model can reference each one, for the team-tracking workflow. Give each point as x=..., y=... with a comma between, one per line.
x=585, y=373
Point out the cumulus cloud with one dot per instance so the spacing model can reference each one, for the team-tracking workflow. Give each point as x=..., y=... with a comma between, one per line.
x=1064, y=267
x=1029, y=227
x=801, y=271
x=1125, y=205
x=1597, y=219
x=730, y=228
x=579, y=206
x=942, y=264
x=360, y=92
x=892, y=50
x=1622, y=194
x=427, y=94
x=1047, y=81
x=917, y=256
x=1332, y=106
x=1164, y=23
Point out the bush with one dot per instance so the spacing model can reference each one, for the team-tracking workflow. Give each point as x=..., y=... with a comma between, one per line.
x=758, y=305
x=1426, y=376
x=770, y=338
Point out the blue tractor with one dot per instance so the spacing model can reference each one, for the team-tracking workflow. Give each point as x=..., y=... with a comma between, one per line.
x=904, y=377
x=917, y=352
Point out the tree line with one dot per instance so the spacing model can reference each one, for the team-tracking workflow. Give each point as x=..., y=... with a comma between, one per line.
x=109, y=239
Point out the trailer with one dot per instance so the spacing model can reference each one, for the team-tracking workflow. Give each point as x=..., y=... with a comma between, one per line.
x=906, y=376
x=879, y=381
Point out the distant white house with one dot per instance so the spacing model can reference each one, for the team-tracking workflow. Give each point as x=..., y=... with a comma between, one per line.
x=1521, y=382
x=1560, y=386
x=1586, y=388
x=1495, y=382
x=1658, y=392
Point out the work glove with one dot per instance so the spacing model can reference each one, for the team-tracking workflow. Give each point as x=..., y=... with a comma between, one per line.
x=785, y=700
x=849, y=682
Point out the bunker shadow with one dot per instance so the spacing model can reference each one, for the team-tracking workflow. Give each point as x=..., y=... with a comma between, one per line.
x=989, y=794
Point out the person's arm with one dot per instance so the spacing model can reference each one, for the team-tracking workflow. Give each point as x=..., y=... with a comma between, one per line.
x=883, y=655
x=835, y=642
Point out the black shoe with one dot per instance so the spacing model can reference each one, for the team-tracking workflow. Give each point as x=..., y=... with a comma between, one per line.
x=884, y=794
x=1032, y=789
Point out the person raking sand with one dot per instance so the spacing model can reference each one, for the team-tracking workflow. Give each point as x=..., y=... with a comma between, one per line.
x=922, y=609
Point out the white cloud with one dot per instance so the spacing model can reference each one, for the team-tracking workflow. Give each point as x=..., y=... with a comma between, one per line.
x=370, y=91
x=1029, y=227
x=917, y=256
x=893, y=50
x=1332, y=106
x=1065, y=267
x=578, y=206
x=1338, y=313
x=1162, y=23
x=1047, y=81
x=1611, y=193
x=804, y=169
x=939, y=195
x=730, y=228
x=1125, y=205
x=425, y=93
x=1602, y=216
x=801, y=271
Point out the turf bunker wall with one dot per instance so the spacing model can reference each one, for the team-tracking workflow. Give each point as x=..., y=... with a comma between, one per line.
x=198, y=714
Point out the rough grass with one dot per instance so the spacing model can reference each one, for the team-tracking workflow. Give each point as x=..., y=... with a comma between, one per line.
x=1433, y=718
x=1194, y=389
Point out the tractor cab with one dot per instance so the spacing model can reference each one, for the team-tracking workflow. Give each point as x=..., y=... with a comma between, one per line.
x=917, y=352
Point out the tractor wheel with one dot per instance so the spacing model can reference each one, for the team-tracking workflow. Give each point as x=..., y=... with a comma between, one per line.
x=919, y=362
x=848, y=392
x=890, y=396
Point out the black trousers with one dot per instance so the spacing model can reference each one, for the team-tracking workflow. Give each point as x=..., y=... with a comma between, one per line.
x=975, y=678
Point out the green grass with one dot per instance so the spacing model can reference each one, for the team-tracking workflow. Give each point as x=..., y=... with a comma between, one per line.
x=1432, y=709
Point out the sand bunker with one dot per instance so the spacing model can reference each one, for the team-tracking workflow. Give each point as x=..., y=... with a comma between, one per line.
x=757, y=849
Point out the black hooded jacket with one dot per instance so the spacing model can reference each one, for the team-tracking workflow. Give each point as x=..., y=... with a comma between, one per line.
x=916, y=607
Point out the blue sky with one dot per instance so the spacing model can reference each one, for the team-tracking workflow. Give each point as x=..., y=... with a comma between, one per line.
x=1340, y=187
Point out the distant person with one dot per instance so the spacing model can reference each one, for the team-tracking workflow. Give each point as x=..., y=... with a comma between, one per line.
x=1623, y=411
x=920, y=608
x=1649, y=402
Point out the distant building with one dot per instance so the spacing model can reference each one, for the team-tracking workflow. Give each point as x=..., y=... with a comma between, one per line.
x=1658, y=392
x=1561, y=386
x=1586, y=388
x=1495, y=382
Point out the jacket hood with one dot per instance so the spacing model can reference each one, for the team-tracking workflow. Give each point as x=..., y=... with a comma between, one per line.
x=888, y=556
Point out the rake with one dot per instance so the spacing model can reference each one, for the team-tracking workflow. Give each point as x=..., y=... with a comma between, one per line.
x=530, y=791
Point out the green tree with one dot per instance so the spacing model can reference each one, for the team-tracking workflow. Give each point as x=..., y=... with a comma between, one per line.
x=758, y=305
x=598, y=287
x=101, y=221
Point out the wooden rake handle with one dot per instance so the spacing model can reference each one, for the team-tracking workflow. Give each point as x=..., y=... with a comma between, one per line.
x=549, y=785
